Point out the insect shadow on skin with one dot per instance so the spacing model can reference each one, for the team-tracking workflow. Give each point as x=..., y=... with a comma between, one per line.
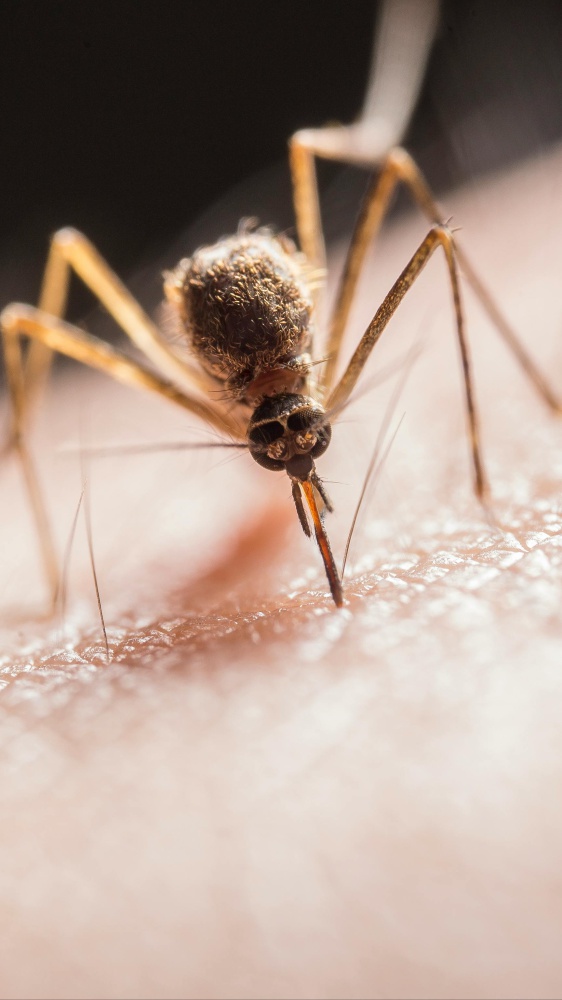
x=247, y=305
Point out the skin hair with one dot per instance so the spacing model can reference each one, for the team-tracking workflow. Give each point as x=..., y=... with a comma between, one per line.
x=263, y=795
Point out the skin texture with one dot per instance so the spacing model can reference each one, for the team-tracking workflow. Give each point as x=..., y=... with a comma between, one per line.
x=262, y=795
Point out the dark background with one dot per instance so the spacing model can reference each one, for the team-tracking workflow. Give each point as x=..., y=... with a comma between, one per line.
x=128, y=120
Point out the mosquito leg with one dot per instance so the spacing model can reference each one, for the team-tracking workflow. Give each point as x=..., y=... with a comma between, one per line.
x=306, y=202
x=437, y=236
x=35, y=369
x=411, y=176
x=15, y=378
x=403, y=38
x=72, y=251
x=53, y=299
x=506, y=331
x=20, y=321
x=373, y=209
x=396, y=167
x=401, y=168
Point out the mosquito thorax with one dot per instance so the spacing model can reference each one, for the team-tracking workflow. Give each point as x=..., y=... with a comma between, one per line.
x=287, y=432
x=245, y=304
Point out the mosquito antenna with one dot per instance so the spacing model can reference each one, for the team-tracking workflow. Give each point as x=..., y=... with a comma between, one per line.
x=226, y=460
x=107, y=451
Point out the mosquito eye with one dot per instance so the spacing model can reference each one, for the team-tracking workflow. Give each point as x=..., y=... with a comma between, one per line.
x=301, y=420
x=324, y=436
x=267, y=433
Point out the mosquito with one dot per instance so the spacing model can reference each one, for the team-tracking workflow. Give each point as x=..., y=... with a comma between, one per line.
x=247, y=305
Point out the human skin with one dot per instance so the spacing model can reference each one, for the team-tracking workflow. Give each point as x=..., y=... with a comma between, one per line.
x=262, y=795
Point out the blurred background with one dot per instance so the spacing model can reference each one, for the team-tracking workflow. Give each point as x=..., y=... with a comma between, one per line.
x=131, y=121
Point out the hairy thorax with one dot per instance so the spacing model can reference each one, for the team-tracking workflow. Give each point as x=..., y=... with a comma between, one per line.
x=246, y=306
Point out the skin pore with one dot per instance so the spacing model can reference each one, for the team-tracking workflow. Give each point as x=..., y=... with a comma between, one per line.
x=262, y=795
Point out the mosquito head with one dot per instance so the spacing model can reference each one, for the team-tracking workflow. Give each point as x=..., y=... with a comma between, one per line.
x=288, y=431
